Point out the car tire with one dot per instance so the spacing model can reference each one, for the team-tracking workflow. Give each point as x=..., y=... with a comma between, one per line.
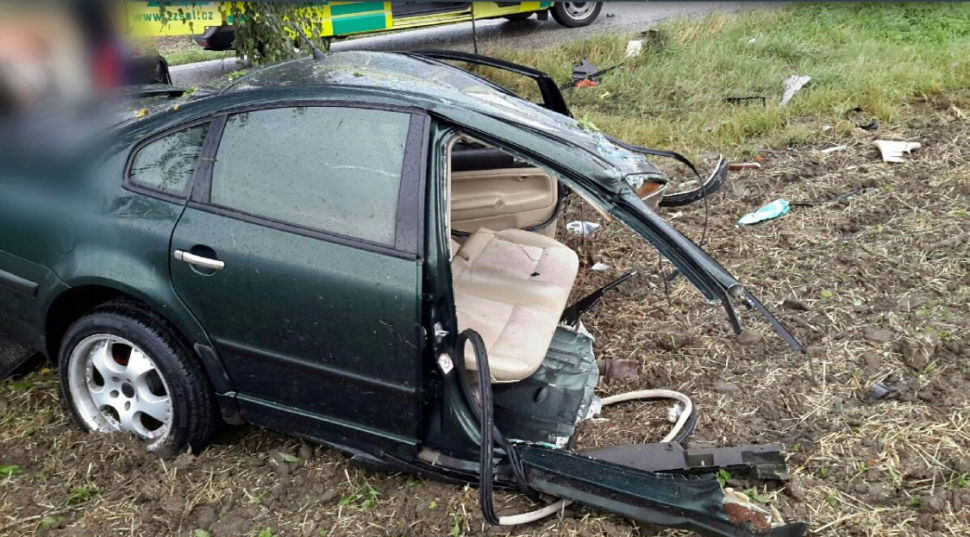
x=123, y=367
x=576, y=14
x=166, y=75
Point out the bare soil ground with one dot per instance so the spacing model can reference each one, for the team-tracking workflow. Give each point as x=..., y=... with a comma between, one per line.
x=875, y=285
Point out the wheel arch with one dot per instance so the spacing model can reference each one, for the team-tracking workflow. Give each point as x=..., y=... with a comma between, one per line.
x=77, y=300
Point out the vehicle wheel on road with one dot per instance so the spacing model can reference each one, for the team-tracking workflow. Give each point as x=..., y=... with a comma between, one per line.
x=163, y=76
x=519, y=16
x=124, y=368
x=576, y=14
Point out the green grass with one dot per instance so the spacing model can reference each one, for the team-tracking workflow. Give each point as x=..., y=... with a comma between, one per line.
x=183, y=57
x=878, y=57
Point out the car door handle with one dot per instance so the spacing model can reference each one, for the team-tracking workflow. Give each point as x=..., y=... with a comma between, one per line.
x=199, y=261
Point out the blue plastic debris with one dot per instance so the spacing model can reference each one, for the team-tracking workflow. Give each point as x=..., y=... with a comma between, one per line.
x=773, y=210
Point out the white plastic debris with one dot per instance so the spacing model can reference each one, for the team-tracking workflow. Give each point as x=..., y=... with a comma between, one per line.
x=893, y=151
x=634, y=49
x=777, y=208
x=791, y=86
x=674, y=412
x=600, y=267
x=834, y=149
x=751, y=41
x=583, y=229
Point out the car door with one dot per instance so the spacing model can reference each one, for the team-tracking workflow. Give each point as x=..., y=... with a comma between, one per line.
x=299, y=253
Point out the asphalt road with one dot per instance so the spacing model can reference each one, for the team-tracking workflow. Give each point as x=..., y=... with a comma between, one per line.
x=622, y=17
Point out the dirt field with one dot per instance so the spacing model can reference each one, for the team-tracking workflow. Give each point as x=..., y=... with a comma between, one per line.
x=875, y=285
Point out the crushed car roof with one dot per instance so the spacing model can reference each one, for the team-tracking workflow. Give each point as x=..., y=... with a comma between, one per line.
x=453, y=93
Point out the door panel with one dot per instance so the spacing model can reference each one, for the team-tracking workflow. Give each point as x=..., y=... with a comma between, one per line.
x=307, y=323
x=299, y=254
x=501, y=199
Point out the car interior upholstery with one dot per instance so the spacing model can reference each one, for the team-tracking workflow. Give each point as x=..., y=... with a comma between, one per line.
x=510, y=284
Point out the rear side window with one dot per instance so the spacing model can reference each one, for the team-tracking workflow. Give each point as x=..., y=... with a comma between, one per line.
x=330, y=169
x=168, y=163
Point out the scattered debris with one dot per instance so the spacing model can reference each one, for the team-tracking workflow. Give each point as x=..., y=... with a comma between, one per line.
x=752, y=40
x=791, y=86
x=600, y=267
x=773, y=210
x=739, y=100
x=618, y=369
x=674, y=412
x=587, y=75
x=737, y=166
x=582, y=228
x=634, y=48
x=855, y=116
x=740, y=510
x=834, y=149
x=878, y=391
x=893, y=151
x=584, y=71
x=141, y=113
x=827, y=127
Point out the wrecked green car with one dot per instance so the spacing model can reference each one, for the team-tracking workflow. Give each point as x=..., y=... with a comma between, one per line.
x=360, y=250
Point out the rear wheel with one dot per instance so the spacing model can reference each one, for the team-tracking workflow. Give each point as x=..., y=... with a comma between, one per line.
x=123, y=368
x=576, y=14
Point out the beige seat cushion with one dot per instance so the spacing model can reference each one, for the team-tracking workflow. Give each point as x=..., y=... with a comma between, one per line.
x=511, y=287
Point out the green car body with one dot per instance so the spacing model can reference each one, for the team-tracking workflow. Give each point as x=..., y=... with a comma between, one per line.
x=319, y=334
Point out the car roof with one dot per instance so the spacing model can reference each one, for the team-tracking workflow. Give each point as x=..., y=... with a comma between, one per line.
x=412, y=80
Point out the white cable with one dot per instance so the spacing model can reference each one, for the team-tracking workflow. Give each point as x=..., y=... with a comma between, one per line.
x=558, y=506
x=658, y=394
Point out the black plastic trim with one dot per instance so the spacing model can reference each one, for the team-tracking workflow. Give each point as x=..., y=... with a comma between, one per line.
x=17, y=284
x=279, y=360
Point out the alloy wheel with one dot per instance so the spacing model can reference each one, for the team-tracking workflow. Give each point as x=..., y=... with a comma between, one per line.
x=116, y=386
x=579, y=10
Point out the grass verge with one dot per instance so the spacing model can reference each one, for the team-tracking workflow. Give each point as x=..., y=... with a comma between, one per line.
x=180, y=50
x=876, y=57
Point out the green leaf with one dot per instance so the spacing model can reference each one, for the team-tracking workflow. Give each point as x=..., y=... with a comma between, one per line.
x=201, y=533
x=826, y=294
x=10, y=470
x=286, y=457
x=433, y=505
x=754, y=496
x=81, y=495
x=48, y=522
x=723, y=476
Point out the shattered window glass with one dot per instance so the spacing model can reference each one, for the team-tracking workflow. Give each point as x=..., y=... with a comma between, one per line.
x=167, y=164
x=325, y=168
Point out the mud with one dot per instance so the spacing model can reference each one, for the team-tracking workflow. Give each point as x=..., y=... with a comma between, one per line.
x=876, y=286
